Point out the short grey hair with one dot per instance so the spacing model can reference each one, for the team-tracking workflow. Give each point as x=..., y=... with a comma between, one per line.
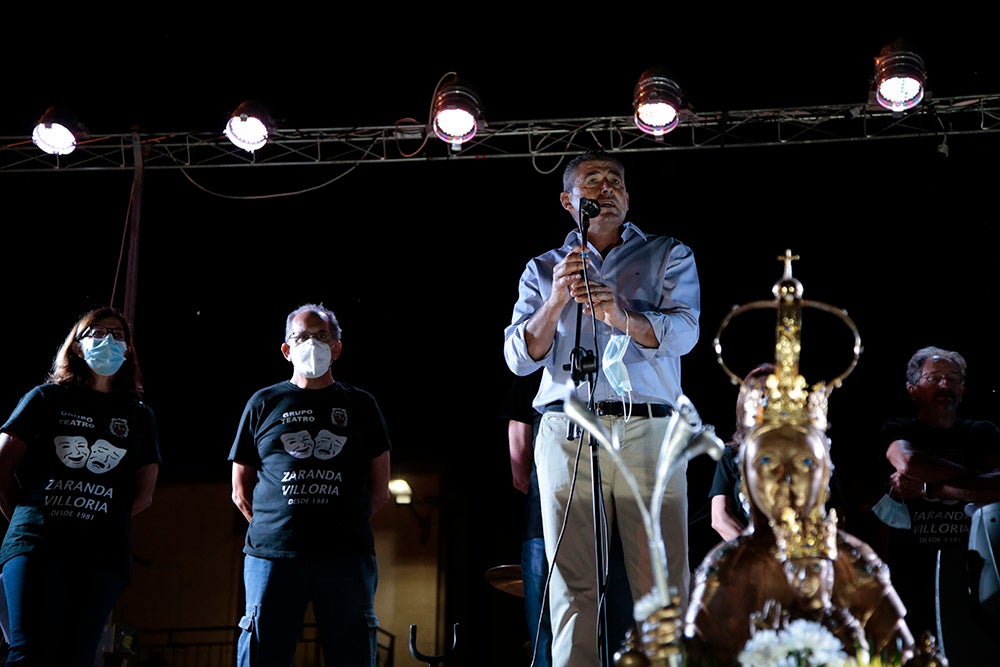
x=325, y=313
x=916, y=363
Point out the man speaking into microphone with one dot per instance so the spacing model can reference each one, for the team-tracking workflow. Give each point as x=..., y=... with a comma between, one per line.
x=608, y=316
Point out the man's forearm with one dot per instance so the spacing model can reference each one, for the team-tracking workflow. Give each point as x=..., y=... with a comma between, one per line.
x=983, y=488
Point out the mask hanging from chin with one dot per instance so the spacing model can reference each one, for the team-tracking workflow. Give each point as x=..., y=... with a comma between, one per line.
x=311, y=358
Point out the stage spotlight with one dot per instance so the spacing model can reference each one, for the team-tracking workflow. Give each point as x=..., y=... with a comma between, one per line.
x=249, y=126
x=657, y=103
x=899, y=77
x=56, y=132
x=456, y=114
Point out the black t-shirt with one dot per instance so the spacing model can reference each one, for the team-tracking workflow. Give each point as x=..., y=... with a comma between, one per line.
x=518, y=408
x=727, y=482
x=970, y=443
x=313, y=450
x=78, y=475
x=913, y=554
x=519, y=398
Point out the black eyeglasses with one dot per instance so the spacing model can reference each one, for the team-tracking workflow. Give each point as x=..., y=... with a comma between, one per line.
x=99, y=332
x=302, y=336
x=935, y=378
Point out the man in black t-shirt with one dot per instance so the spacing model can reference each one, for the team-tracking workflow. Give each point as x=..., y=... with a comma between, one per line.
x=940, y=463
x=310, y=468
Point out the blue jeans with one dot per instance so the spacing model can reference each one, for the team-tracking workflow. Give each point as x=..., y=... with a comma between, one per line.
x=534, y=569
x=278, y=591
x=57, y=610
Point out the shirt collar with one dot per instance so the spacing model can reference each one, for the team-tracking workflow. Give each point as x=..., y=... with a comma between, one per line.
x=573, y=237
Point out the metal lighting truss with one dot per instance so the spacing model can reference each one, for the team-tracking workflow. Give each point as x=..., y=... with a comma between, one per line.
x=410, y=142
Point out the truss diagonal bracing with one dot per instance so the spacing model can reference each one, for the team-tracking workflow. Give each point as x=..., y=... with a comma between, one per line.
x=977, y=114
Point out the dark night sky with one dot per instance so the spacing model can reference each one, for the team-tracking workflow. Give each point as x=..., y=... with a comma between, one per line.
x=421, y=260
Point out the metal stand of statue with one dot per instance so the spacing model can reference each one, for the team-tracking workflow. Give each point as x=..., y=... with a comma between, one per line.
x=685, y=438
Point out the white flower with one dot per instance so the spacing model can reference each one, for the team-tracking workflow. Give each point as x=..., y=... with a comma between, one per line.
x=764, y=649
x=801, y=643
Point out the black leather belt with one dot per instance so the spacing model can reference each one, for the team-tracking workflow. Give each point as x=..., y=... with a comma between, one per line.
x=616, y=409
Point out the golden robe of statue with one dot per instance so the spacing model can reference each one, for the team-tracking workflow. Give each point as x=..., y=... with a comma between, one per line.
x=792, y=560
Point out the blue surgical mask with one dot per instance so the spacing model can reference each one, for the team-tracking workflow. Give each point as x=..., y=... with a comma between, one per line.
x=892, y=512
x=614, y=366
x=615, y=370
x=104, y=355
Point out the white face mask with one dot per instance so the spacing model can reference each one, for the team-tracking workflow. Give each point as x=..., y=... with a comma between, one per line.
x=311, y=358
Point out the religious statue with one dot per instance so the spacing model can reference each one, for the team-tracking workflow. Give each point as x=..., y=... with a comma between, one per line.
x=792, y=567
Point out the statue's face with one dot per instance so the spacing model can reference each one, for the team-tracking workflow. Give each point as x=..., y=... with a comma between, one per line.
x=812, y=579
x=786, y=466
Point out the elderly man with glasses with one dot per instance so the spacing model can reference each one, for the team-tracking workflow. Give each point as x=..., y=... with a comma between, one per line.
x=940, y=464
x=310, y=468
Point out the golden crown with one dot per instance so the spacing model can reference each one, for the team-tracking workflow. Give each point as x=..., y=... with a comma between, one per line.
x=785, y=398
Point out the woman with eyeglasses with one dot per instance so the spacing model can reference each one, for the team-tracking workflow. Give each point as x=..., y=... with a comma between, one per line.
x=79, y=457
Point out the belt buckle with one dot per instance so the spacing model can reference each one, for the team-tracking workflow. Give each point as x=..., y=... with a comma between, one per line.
x=610, y=409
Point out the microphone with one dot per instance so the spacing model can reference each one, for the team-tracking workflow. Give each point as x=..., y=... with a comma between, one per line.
x=590, y=207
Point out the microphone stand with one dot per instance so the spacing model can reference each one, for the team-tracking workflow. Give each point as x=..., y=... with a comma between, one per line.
x=584, y=366
x=583, y=363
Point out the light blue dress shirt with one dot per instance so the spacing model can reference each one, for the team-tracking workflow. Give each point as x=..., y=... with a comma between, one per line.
x=653, y=275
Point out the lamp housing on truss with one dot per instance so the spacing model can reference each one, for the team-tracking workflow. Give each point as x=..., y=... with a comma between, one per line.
x=456, y=114
x=900, y=77
x=657, y=102
x=56, y=132
x=249, y=126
